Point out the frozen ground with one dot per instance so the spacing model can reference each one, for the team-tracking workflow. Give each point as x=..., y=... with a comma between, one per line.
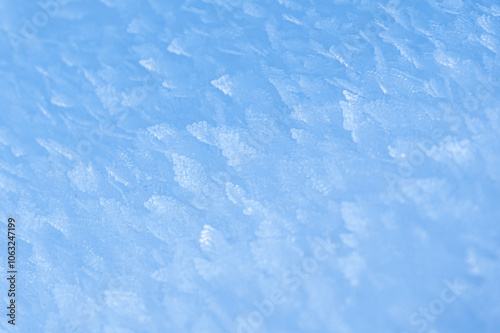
x=252, y=166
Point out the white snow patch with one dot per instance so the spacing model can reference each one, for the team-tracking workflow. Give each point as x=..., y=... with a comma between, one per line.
x=189, y=173
x=176, y=48
x=224, y=83
x=161, y=131
x=84, y=178
x=149, y=64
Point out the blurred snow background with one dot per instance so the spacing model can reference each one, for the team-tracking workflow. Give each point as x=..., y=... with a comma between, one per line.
x=174, y=164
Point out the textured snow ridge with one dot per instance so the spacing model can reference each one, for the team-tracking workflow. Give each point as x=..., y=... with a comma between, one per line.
x=252, y=166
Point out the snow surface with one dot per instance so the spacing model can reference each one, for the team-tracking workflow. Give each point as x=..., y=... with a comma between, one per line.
x=252, y=166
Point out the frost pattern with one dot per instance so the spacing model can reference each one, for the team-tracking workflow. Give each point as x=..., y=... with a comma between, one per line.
x=252, y=166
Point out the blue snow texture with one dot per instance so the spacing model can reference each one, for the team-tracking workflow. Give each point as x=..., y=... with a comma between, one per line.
x=244, y=166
